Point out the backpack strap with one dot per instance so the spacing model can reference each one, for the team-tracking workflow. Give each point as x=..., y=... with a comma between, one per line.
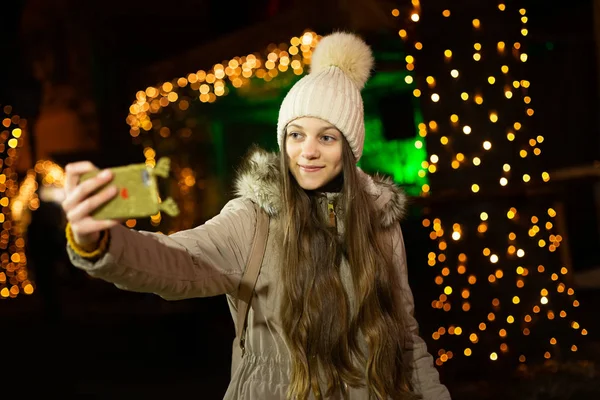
x=250, y=276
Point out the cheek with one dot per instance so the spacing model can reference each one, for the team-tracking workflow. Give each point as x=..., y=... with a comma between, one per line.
x=336, y=158
x=288, y=148
x=339, y=166
x=292, y=150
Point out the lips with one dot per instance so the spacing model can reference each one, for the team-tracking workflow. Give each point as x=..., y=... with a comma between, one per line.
x=310, y=168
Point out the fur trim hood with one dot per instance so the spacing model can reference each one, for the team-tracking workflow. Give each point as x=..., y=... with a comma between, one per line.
x=258, y=180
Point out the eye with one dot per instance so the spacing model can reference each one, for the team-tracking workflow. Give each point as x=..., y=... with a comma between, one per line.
x=328, y=138
x=294, y=135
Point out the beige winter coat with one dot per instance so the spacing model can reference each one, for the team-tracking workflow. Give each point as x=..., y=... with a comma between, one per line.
x=209, y=260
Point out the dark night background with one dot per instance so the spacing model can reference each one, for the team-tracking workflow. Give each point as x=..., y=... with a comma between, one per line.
x=82, y=338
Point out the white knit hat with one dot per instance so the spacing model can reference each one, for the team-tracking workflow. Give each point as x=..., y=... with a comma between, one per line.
x=340, y=67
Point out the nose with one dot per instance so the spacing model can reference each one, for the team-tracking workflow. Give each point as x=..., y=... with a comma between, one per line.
x=310, y=149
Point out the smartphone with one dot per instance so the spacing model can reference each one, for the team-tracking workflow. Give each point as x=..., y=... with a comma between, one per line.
x=137, y=192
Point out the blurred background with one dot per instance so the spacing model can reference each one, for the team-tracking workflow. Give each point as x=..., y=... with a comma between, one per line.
x=486, y=113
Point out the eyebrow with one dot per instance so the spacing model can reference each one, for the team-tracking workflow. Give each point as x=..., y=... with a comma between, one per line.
x=324, y=129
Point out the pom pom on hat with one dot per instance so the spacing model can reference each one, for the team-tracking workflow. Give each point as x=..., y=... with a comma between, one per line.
x=347, y=52
x=340, y=67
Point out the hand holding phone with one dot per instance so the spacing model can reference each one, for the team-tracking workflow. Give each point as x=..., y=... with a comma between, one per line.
x=98, y=200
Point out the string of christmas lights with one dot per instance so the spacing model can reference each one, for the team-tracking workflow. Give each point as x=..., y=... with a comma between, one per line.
x=208, y=85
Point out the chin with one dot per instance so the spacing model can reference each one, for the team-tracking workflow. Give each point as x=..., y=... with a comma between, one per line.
x=310, y=185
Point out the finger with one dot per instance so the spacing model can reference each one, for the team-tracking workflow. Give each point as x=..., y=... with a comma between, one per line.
x=74, y=170
x=85, y=208
x=84, y=189
x=89, y=225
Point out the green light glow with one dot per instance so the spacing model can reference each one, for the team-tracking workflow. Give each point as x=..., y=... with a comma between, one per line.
x=399, y=159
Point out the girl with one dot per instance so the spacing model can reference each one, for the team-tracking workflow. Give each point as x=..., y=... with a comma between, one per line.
x=332, y=310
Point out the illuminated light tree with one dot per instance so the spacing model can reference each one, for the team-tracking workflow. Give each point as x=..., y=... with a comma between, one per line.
x=14, y=277
x=18, y=199
x=495, y=227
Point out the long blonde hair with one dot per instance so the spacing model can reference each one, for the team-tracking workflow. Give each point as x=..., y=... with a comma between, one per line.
x=319, y=325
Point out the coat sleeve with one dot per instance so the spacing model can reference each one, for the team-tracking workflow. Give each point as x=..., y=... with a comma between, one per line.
x=205, y=261
x=425, y=377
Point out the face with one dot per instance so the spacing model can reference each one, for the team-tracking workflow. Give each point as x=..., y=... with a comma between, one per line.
x=314, y=149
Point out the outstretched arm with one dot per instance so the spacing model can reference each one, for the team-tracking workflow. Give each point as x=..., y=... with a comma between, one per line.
x=204, y=261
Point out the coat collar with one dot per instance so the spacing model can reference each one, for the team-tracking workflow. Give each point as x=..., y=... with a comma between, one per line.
x=258, y=180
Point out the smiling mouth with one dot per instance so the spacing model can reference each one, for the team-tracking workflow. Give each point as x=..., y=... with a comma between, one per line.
x=310, y=168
